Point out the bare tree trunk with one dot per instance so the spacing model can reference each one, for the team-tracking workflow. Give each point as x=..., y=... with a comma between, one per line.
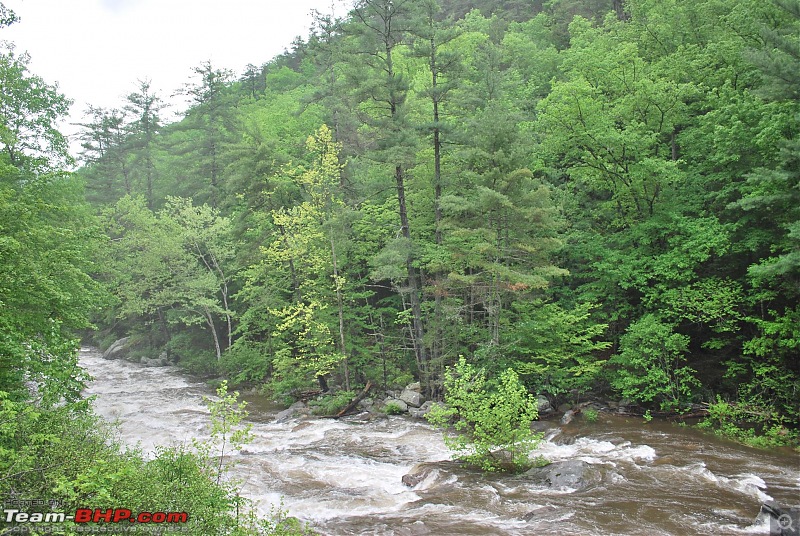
x=210, y=322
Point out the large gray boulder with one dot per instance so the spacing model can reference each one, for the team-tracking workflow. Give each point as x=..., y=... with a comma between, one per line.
x=403, y=407
x=566, y=474
x=118, y=349
x=412, y=398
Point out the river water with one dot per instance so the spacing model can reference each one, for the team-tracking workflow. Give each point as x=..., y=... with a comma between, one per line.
x=344, y=477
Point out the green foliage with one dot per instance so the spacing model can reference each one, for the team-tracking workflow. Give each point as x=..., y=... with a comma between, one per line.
x=556, y=349
x=749, y=424
x=652, y=366
x=331, y=404
x=69, y=455
x=245, y=363
x=597, y=194
x=590, y=415
x=227, y=431
x=492, y=421
x=392, y=408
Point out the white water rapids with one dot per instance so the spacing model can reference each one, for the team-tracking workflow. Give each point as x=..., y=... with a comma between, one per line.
x=344, y=477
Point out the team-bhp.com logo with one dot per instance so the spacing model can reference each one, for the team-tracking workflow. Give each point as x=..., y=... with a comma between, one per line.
x=88, y=515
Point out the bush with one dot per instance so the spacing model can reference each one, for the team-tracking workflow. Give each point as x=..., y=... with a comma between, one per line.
x=69, y=455
x=751, y=425
x=590, y=415
x=651, y=365
x=331, y=404
x=392, y=408
x=244, y=363
x=492, y=422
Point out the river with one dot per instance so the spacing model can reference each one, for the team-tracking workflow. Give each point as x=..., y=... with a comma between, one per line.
x=344, y=476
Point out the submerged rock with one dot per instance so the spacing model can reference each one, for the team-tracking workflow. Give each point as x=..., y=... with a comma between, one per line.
x=420, y=472
x=291, y=412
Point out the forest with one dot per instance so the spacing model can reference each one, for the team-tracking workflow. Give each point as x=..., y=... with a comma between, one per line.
x=602, y=196
x=585, y=198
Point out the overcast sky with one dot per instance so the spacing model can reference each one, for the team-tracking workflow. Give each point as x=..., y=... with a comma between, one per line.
x=97, y=49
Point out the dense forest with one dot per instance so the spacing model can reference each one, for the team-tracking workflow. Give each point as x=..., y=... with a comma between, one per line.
x=600, y=195
x=587, y=198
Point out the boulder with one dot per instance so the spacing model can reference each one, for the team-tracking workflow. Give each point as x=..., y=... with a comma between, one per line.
x=563, y=408
x=154, y=362
x=568, y=417
x=423, y=410
x=396, y=402
x=412, y=398
x=416, y=386
x=366, y=403
x=566, y=474
x=117, y=349
x=544, y=405
x=418, y=473
x=291, y=412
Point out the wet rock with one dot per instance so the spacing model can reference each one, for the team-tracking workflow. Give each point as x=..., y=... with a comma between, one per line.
x=563, y=408
x=418, y=473
x=568, y=417
x=423, y=410
x=783, y=521
x=154, y=362
x=412, y=398
x=544, y=405
x=117, y=349
x=291, y=412
x=566, y=474
x=302, y=426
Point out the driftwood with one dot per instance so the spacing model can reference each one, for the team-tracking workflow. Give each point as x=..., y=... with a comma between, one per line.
x=353, y=403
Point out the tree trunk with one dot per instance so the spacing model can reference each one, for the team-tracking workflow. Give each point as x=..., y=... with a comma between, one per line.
x=353, y=403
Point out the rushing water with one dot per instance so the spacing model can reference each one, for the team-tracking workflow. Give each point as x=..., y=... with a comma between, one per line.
x=344, y=476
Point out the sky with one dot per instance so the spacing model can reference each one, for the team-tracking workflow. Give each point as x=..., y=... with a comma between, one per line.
x=96, y=50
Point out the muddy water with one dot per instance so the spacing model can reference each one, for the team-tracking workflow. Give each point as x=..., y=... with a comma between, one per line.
x=344, y=477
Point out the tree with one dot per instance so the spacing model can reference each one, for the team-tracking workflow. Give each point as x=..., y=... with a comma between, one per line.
x=492, y=421
x=169, y=266
x=29, y=111
x=106, y=153
x=381, y=26
x=208, y=124
x=144, y=106
x=47, y=240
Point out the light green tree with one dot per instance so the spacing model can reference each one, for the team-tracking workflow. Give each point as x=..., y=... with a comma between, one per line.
x=492, y=420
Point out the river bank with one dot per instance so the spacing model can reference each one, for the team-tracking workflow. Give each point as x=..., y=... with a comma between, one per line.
x=346, y=476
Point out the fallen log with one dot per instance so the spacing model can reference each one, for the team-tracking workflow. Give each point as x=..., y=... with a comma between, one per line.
x=353, y=403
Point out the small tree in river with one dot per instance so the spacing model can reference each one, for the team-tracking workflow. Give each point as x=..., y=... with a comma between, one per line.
x=492, y=421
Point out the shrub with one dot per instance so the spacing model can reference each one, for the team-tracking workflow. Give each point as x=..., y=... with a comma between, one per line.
x=651, y=365
x=331, y=404
x=492, y=422
x=392, y=408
